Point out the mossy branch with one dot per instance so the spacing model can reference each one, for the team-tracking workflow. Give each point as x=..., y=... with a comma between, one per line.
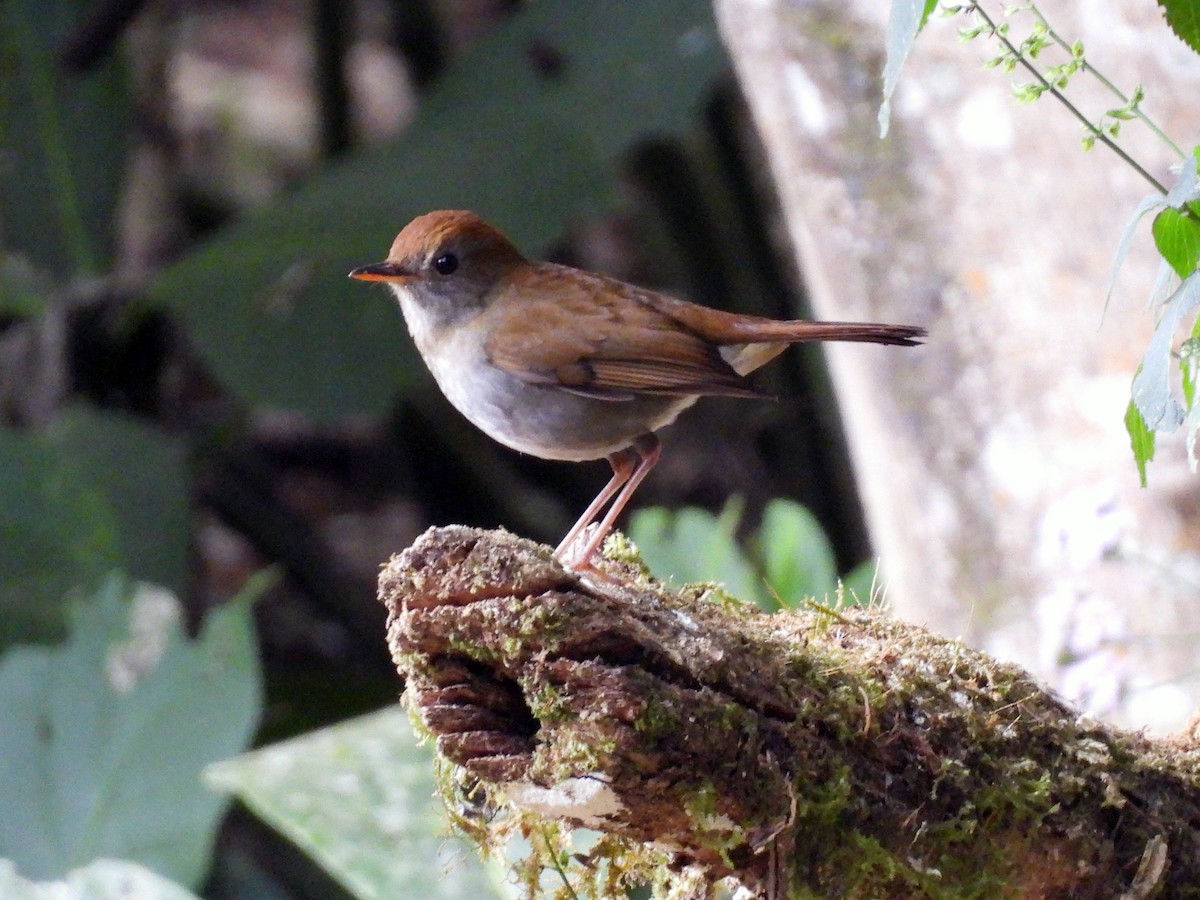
x=797, y=753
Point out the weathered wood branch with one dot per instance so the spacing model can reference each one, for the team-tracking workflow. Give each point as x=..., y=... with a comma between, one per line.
x=844, y=753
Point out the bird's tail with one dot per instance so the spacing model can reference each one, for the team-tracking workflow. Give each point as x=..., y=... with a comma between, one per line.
x=796, y=331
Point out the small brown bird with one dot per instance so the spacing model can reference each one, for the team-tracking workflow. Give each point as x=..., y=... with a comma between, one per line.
x=566, y=364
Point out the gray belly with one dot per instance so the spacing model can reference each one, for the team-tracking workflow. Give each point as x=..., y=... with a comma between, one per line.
x=538, y=419
x=551, y=423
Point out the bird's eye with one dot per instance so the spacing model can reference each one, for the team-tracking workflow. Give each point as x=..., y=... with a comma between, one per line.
x=446, y=264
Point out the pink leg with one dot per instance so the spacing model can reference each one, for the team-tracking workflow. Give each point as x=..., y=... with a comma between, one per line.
x=623, y=463
x=630, y=467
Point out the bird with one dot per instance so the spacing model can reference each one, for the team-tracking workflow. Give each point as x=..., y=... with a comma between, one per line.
x=566, y=364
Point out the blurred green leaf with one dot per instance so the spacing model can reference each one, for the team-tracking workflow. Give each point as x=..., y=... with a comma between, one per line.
x=58, y=531
x=797, y=559
x=694, y=545
x=793, y=559
x=104, y=879
x=268, y=302
x=359, y=798
x=105, y=737
x=62, y=140
x=143, y=473
x=24, y=292
x=858, y=583
x=96, y=492
x=1177, y=236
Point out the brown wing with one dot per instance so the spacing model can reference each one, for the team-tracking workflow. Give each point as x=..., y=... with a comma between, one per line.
x=608, y=340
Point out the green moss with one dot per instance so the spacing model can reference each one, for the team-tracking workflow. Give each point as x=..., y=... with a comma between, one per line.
x=468, y=808
x=541, y=620
x=657, y=719
x=714, y=592
x=712, y=828
x=571, y=864
x=581, y=747
x=471, y=649
x=620, y=549
x=547, y=702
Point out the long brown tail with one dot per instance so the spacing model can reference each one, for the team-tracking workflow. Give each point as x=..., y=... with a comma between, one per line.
x=725, y=328
x=869, y=332
x=751, y=343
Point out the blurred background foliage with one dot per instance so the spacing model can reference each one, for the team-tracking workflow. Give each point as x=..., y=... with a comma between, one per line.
x=192, y=389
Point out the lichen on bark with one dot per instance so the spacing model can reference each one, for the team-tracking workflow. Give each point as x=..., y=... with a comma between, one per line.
x=803, y=753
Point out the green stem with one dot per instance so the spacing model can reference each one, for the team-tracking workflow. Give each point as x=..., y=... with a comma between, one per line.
x=1117, y=92
x=1074, y=110
x=558, y=866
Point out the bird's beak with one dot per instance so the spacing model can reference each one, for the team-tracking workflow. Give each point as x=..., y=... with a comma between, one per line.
x=384, y=271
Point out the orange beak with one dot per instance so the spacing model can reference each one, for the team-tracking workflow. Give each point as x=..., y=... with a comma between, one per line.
x=384, y=271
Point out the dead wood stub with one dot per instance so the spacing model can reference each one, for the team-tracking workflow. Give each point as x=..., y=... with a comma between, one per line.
x=866, y=754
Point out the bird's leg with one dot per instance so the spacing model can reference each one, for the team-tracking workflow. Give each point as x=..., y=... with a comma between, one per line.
x=630, y=467
x=624, y=463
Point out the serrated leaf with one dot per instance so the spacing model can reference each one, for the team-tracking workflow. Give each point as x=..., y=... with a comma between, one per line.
x=268, y=302
x=104, y=879
x=1141, y=439
x=798, y=561
x=1185, y=190
x=1177, y=236
x=105, y=737
x=359, y=798
x=1184, y=18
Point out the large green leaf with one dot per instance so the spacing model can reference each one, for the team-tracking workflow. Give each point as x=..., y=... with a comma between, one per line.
x=359, y=798
x=105, y=737
x=95, y=492
x=62, y=141
x=268, y=302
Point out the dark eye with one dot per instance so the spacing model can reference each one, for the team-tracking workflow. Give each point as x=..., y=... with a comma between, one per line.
x=446, y=264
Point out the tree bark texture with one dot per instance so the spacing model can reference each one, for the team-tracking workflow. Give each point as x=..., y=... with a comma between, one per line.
x=994, y=466
x=838, y=753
